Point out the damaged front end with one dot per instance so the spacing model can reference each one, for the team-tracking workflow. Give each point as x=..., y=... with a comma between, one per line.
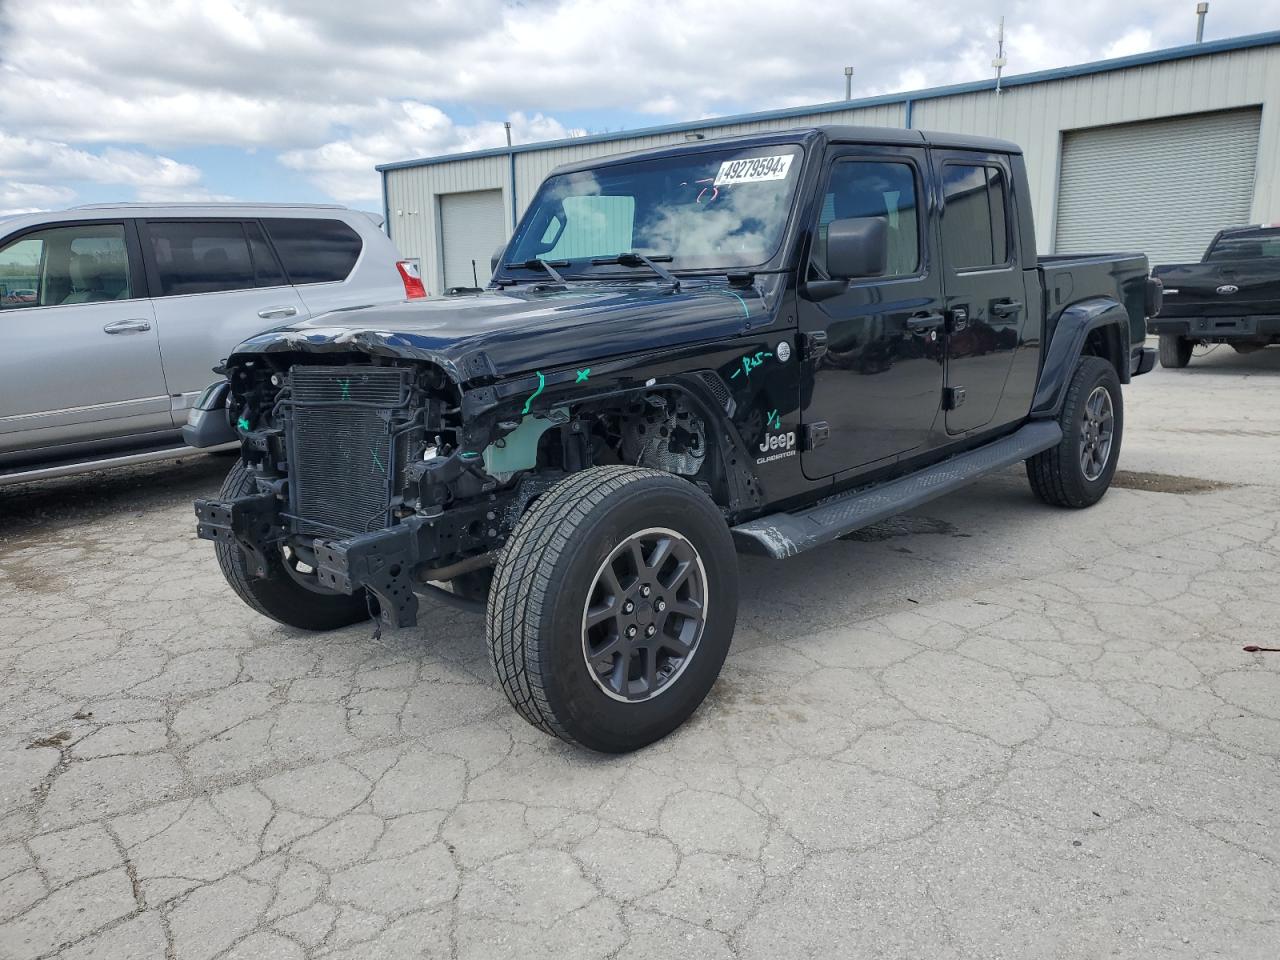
x=365, y=477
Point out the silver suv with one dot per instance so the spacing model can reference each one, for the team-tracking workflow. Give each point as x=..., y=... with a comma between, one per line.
x=113, y=316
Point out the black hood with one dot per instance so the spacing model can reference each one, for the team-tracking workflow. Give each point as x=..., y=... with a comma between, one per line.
x=515, y=330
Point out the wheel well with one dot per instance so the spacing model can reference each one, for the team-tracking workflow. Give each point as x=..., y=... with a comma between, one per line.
x=1106, y=342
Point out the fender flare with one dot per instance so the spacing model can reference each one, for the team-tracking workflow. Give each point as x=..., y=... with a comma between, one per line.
x=1074, y=325
x=208, y=421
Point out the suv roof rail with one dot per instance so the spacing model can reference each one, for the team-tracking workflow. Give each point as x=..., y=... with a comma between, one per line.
x=208, y=203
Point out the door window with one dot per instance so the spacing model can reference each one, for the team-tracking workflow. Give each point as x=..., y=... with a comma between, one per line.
x=315, y=251
x=975, y=219
x=867, y=188
x=200, y=256
x=65, y=265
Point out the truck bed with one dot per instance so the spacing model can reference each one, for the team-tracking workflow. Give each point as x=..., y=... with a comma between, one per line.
x=1070, y=278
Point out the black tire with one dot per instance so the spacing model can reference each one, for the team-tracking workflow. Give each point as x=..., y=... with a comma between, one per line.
x=1058, y=477
x=544, y=580
x=278, y=595
x=1175, y=351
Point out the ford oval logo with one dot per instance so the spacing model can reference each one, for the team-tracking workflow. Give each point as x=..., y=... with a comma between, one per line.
x=1227, y=289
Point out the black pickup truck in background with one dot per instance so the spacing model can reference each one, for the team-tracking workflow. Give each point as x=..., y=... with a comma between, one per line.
x=760, y=343
x=1231, y=296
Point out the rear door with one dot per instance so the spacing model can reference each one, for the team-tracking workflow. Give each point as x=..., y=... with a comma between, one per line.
x=875, y=391
x=983, y=284
x=330, y=264
x=215, y=283
x=81, y=359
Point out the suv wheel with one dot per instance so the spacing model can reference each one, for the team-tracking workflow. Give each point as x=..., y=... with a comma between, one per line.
x=1175, y=351
x=613, y=606
x=288, y=593
x=1077, y=472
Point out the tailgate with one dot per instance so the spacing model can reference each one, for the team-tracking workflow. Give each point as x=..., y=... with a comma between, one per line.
x=1235, y=288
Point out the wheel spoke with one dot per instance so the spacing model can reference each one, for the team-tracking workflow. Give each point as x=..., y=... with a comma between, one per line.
x=661, y=551
x=601, y=612
x=651, y=668
x=685, y=608
x=679, y=575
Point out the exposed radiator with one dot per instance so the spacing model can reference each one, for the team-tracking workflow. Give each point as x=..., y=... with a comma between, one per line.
x=343, y=468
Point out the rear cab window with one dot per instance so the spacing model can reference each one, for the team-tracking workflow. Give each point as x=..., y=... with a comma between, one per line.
x=61, y=265
x=314, y=250
x=1260, y=244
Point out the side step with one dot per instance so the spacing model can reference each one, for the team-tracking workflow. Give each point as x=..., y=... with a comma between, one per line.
x=781, y=535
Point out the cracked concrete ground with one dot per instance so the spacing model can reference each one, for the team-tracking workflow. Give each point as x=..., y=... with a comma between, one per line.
x=990, y=729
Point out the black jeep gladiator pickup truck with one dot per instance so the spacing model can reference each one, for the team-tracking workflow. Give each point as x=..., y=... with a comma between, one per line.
x=1231, y=296
x=763, y=342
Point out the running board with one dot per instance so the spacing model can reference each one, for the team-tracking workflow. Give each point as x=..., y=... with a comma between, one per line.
x=781, y=535
x=71, y=468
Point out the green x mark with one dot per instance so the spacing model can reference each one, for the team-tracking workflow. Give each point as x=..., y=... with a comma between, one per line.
x=346, y=389
x=582, y=375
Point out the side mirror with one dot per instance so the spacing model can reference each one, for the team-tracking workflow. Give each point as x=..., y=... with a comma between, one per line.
x=857, y=247
x=496, y=259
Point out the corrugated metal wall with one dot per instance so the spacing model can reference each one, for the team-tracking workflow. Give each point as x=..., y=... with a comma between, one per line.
x=1033, y=115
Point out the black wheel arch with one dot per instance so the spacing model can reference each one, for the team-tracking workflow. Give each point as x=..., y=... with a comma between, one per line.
x=1098, y=326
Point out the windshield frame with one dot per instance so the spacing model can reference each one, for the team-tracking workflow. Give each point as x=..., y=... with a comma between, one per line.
x=582, y=269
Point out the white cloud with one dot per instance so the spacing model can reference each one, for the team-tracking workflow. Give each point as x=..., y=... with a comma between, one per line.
x=333, y=89
x=21, y=156
x=17, y=197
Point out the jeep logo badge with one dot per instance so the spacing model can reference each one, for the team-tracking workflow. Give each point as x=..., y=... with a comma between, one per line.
x=1227, y=289
x=778, y=441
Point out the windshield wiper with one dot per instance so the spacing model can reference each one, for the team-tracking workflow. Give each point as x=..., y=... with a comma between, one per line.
x=547, y=265
x=634, y=259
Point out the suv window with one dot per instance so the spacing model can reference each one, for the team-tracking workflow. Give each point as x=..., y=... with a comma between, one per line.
x=206, y=256
x=866, y=188
x=315, y=251
x=975, y=231
x=65, y=265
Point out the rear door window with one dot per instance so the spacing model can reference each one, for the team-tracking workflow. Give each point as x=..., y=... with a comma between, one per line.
x=200, y=256
x=975, y=220
x=85, y=263
x=314, y=251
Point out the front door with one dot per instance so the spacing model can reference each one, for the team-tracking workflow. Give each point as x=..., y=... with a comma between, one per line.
x=80, y=359
x=876, y=390
x=983, y=279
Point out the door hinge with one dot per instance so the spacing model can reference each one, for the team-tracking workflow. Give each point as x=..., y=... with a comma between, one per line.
x=813, y=346
x=952, y=397
x=816, y=434
x=957, y=319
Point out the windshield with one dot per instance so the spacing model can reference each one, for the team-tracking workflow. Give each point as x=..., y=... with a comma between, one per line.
x=1257, y=244
x=712, y=210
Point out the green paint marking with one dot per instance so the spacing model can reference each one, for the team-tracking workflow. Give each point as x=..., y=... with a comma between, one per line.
x=542, y=382
x=243, y=424
x=377, y=461
x=469, y=455
x=346, y=392
x=745, y=312
x=582, y=375
x=775, y=421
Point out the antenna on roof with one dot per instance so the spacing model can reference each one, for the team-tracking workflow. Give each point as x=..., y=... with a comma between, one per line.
x=848, y=83
x=1000, y=61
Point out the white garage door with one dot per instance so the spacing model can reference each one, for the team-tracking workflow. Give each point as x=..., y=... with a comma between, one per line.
x=1162, y=188
x=471, y=227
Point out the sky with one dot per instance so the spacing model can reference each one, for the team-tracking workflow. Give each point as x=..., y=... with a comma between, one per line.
x=297, y=100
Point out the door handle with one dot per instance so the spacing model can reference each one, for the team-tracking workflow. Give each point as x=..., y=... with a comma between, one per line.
x=1006, y=308
x=276, y=313
x=925, y=321
x=127, y=326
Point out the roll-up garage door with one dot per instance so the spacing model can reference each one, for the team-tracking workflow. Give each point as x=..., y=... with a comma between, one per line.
x=1162, y=187
x=471, y=228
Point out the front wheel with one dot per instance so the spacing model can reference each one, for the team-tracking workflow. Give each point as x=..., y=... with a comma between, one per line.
x=1078, y=471
x=1175, y=351
x=612, y=607
x=288, y=593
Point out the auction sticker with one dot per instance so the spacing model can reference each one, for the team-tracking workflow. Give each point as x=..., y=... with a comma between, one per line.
x=754, y=170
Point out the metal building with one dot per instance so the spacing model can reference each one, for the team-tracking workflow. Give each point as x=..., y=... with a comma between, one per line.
x=1150, y=153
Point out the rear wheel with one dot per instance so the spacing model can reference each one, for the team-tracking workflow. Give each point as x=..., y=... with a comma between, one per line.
x=1078, y=471
x=613, y=606
x=289, y=592
x=1175, y=351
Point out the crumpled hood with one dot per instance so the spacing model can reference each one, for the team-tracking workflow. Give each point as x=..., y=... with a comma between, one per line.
x=519, y=329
